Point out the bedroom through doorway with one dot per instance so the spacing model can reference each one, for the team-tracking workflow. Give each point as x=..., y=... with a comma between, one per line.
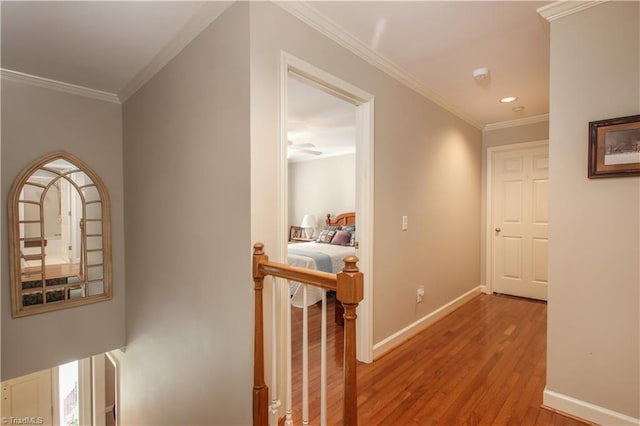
x=327, y=146
x=321, y=170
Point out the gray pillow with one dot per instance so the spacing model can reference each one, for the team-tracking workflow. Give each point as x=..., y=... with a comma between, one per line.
x=341, y=238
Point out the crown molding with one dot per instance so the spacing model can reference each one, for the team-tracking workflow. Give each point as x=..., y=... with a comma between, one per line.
x=560, y=9
x=58, y=85
x=205, y=16
x=329, y=28
x=208, y=13
x=516, y=123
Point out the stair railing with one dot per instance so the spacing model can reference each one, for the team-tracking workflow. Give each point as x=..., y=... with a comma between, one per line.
x=348, y=286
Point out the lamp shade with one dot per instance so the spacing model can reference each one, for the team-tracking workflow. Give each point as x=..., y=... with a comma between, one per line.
x=308, y=221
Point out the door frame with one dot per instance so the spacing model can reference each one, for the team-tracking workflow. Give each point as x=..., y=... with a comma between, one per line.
x=85, y=393
x=364, y=103
x=488, y=287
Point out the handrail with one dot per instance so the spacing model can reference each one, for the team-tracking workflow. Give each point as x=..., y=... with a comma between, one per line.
x=294, y=273
x=348, y=285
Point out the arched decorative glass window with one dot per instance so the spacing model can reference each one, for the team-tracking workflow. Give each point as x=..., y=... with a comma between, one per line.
x=60, y=236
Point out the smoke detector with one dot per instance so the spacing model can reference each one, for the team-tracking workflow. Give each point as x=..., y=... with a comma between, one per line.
x=480, y=73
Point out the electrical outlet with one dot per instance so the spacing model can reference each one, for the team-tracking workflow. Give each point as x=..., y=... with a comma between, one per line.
x=420, y=294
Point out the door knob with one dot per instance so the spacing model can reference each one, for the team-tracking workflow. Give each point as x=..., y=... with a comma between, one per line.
x=498, y=229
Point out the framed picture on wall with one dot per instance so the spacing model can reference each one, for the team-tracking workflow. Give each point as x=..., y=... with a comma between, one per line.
x=614, y=147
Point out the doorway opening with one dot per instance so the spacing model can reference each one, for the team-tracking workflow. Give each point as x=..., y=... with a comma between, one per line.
x=321, y=156
x=294, y=68
x=82, y=392
x=68, y=406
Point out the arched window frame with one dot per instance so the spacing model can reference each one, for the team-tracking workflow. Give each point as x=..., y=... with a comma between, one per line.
x=17, y=291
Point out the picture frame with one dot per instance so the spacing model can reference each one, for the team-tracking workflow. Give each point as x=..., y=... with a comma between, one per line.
x=614, y=147
x=295, y=232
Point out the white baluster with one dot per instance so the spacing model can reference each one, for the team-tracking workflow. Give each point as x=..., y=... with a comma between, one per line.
x=323, y=362
x=288, y=419
x=275, y=403
x=305, y=358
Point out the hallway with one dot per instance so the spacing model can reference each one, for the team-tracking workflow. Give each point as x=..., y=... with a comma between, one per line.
x=482, y=364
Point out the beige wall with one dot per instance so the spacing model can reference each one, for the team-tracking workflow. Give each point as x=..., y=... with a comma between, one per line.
x=594, y=249
x=518, y=134
x=427, y=166
x=500, y=137
x=189, y=295
x=35, y=122
x=322, y=186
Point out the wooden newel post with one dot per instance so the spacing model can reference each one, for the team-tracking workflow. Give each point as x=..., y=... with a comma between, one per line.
x=260, y=389
x=350, y=292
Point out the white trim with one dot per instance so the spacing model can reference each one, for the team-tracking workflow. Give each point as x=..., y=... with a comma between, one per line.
x=280, y=390
x=283, y=166
x=110, y=357
x=411, y=330
x=364, y=219
x=58, y=85
x=364, y=185
x=55, y=395
x=208, y=13
x=326, y=81
x=516, y=123
x=488, y=280
x=85, y=415
x=560, y=9
x=326, y=26
x=585, y=410
x=98, y=390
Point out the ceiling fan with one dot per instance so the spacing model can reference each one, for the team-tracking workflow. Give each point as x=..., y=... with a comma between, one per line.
x=303, y=147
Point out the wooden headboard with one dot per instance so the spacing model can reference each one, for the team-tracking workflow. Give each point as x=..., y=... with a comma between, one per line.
x=343, y=219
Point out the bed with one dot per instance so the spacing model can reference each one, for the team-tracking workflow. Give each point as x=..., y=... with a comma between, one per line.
x=325, y=253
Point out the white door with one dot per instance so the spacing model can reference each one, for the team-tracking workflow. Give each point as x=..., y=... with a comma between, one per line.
x=520, y=181
x=28, y=399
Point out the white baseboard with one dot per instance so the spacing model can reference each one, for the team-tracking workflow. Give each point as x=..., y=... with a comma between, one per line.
x=585, y=410
x=411, y=330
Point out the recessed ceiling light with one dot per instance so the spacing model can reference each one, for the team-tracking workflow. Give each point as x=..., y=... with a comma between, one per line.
x=508, y=99
x=517, y=109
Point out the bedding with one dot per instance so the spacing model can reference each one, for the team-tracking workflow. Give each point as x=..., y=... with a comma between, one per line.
x=319, y=256
x=322, y=260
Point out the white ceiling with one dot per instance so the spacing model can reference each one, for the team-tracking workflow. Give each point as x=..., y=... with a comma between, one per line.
x=440, y=43
x=321, y=119
x=99, y=45
x=114, y=46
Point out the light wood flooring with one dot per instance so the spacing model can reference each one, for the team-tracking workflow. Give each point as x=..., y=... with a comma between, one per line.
x=483, y=364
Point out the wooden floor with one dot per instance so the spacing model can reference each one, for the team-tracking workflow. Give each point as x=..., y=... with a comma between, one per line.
x=483, y=364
